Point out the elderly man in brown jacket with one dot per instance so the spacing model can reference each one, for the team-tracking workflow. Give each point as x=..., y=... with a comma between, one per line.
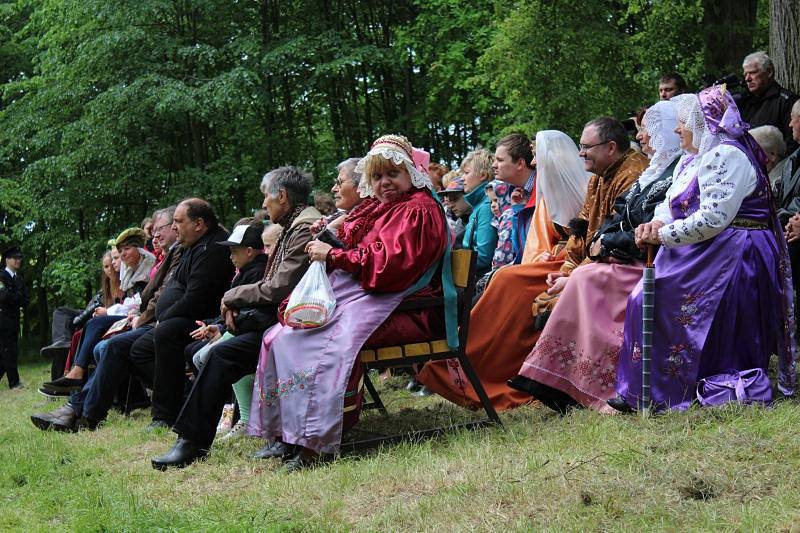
x=286, y=191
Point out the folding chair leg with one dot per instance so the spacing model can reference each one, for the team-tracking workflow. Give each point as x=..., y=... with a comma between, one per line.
x=479, y=390
x=376, y=402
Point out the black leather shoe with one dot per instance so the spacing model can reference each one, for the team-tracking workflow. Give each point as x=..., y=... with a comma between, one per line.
x=62, y=419
x=64, y=385
x=276, y=449
x=51, y=394
x=620, y=405
x=183, y=453
x=302, y=459
x=157, y=424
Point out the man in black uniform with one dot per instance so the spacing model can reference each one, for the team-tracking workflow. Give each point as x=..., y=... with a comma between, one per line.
x=766, y=102
x=13, y=296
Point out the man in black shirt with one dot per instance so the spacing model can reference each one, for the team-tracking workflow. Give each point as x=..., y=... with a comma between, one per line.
x=13, y=296
x=193, y=293
x=766, y=102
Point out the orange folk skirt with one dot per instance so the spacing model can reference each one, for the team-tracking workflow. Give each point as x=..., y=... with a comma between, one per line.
x=501, y=335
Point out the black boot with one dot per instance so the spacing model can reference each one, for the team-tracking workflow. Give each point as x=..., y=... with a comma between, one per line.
x=620, y=405
x=183, y=453
x=276, y=449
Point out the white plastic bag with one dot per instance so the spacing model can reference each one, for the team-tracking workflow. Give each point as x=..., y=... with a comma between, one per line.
x=312, y=301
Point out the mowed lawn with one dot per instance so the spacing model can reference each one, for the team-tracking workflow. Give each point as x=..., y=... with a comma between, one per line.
x=725, y=469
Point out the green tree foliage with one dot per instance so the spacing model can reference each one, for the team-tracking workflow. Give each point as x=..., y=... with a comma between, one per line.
x=109, y=109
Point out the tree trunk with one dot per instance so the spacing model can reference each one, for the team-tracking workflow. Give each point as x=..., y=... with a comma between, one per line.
x=784, y=42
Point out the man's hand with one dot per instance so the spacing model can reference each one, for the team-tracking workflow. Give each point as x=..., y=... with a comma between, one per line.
x=230, y=318
x=135, y=323
x=100, y=311
x=596, y=248
x=648, y=234
x=793, y=229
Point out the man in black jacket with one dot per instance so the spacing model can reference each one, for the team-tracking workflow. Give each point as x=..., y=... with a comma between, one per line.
x=13, y=296
x=766, y=102
x=193, y=293
x=787, y=197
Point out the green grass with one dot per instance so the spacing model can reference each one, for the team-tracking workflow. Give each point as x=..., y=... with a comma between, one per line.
x=723, y=469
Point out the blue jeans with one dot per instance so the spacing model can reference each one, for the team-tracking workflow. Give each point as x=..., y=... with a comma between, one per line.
x=93, y=332
x=114, y=364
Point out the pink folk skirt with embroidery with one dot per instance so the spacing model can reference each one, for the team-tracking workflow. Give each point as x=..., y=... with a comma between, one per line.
x=579, y=347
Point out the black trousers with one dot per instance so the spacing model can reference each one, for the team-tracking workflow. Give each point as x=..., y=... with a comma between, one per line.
x=8, y=355
x=228, y=362
x=162, y=358
x=62, y=328
x=794, y=259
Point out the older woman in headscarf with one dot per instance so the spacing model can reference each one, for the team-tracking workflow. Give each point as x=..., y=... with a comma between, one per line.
x=500, y=334
x=306, y=393
x=574, y=361
x=723, y=296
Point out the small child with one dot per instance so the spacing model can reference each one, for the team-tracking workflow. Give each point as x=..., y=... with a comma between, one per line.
x=270, y=236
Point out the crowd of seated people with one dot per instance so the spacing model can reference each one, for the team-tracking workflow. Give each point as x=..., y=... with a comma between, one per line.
x=561, y=231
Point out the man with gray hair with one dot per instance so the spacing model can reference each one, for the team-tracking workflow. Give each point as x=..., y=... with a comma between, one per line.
x=286, y=191
x=766, y=102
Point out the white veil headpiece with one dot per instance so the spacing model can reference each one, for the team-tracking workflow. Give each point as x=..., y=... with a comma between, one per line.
x=561, y=180
x=659, y=121
x=688, y=111
x=398, y=150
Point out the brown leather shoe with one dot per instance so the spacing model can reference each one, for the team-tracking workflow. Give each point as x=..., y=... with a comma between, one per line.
x=62, y=419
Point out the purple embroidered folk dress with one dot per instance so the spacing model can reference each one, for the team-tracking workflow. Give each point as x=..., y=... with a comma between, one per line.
x=722, y=303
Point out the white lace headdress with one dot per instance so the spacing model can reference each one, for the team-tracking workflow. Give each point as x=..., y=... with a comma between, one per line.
x=659, y=121
x=398, y=150
x=689, y=112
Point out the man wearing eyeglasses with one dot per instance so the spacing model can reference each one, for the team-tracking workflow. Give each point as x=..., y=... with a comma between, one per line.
x=607, y=154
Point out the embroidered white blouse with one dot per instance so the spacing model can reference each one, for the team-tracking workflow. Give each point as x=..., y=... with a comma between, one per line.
x=726, y=177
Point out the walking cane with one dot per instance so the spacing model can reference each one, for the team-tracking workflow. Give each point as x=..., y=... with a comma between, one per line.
x=648, y=300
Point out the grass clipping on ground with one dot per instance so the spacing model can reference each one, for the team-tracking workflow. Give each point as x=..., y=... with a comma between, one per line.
x=733, y=468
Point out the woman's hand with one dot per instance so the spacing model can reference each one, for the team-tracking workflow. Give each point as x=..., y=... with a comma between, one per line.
x=100, y=311
x=552, y=277
x=317, y=226
x=205, y=332
x=318, y=250
x=648, y=233
x=558, y=285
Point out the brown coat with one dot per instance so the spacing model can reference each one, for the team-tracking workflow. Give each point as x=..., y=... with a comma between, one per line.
x=289, y=271
x=601, y=193
x=153, y=289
